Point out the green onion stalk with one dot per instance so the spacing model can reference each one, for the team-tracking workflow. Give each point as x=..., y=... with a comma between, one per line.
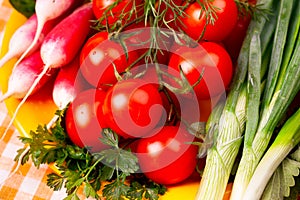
x=281, y=87
x=244, y=95
x=284, y=143
x=216, y=173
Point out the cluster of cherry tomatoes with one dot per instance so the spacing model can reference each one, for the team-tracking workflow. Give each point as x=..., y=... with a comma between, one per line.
x=150, y=85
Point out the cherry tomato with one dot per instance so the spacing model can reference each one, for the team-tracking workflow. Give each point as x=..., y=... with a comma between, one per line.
x=120, y=11
x=167, y=157
x=82, y=124
x=233, y=42
x=209, y=59
x=193, y=22
x=149, y=74
x=132, y=108
x=100, y=56
x=195, y=110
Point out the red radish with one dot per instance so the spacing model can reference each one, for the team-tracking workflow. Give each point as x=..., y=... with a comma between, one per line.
x=64, y=41
x=61, y=45
x=64, y=89
x=23, y=37
x=23, y=76
x=45, y=11
x=68, y=83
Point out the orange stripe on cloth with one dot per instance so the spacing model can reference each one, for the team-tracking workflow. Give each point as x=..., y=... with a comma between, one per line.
x=7, y=193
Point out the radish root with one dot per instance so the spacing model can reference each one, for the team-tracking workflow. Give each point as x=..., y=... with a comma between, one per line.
x=36, y=81
x=5, y=96
x=39, y=30
x=52, y=121
x=9, y=55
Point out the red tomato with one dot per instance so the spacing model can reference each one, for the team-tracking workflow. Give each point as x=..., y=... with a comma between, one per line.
x=122, y=10
x=233, y=42
x=148, y=73
x=82, y=124
x=132, y=108
x=195, y=110
x=208, y=58
x=99, y=56
x=167, y=157
x=193, y=23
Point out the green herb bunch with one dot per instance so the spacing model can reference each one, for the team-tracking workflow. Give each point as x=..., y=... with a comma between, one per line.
x=110, y=173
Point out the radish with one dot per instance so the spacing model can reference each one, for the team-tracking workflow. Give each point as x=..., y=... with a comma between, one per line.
x=68, y=83
x=23, y=76
x=23, y=37
x=61, y=45
x=64, y=89
x=45, y=11
x=64, y=41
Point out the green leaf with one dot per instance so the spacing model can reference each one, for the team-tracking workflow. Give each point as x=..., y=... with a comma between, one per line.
x=273, y=189
x=24, y=158
x=55, y=181
x=143, y=188
x=73, y=180
x=89, y=191
x=26, y=7
x=290, y=169
x=151, y=194
x=115, y=190
x=73, y=196
x=107, y=173
x=295, y=191
x=116, y=157
x=296, y=154
x=123, y=160
x=109, y=137
x=136, y=191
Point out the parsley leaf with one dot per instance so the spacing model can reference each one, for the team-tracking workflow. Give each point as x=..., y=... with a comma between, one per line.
x=115, y=190
x=45, y=146
x=117, y=157
x=141, y=187
x=55, y=181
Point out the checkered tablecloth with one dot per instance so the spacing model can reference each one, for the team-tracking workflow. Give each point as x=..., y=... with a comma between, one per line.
x=28, y=182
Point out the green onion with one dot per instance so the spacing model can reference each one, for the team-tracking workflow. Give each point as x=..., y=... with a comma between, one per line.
x=281, y=87
x=228, y=136
x=265, y=99
x=287, y=139
x=221, y=156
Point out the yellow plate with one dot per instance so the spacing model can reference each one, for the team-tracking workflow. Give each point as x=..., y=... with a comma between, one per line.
x=39, y=109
